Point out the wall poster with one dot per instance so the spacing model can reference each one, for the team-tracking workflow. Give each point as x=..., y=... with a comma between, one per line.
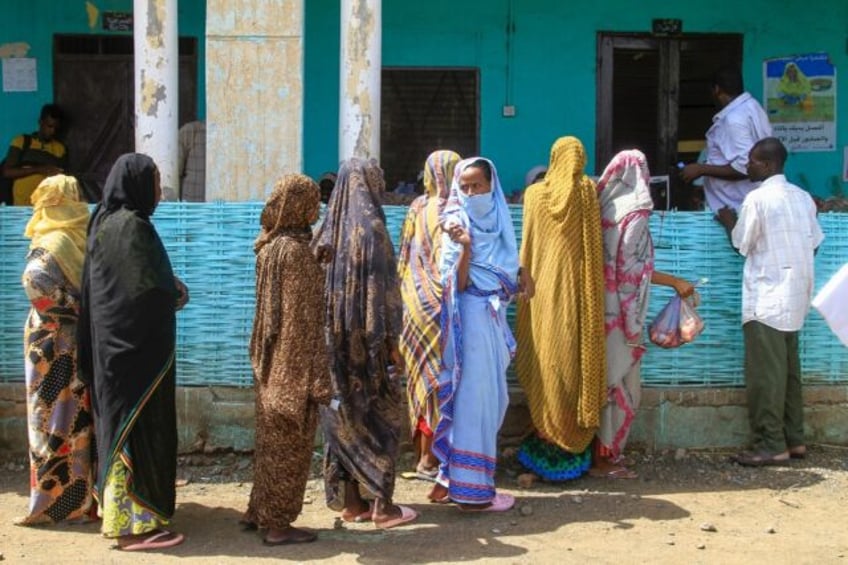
x=800, y=100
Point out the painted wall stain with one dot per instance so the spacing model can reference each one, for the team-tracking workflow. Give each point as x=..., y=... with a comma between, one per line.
x=93, y=14
x=19, y=49
x=155, y=17
x=361, y=29
x=255, y=68
x=152, y=93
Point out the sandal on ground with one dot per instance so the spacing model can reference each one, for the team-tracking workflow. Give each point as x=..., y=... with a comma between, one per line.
x=761, y=458
x=407, y=515
x=295, y=536
x=798, y=452
x=159, y=539
x=622, y=461
x=425, y=474
x=501, y=503
x=614, y=473
x=364, y=516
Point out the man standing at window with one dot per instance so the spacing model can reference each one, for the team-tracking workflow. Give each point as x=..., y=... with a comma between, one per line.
x=739, y=124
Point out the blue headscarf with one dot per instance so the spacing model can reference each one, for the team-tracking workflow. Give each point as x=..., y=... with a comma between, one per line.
x=494, y=252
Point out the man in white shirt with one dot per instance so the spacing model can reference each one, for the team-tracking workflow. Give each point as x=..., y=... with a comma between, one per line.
x=739, y=124
x=777, y=233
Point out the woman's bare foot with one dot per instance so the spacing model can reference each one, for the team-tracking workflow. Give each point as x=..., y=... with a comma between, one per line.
x=439, y=494
x=606, y=469
x=357, y=511
x=288, y=536
x=356, y=508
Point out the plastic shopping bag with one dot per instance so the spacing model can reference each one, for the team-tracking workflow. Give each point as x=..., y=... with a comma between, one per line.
x=665, y=329
x=691, y=325
x=677, y=323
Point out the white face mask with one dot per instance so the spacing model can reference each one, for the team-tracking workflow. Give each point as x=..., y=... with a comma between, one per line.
x=480, y=204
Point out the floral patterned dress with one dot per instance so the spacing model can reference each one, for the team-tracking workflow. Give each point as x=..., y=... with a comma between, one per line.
x=59, y=417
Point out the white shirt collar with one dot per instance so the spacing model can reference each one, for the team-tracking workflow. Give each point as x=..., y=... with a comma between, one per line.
x=738, y=101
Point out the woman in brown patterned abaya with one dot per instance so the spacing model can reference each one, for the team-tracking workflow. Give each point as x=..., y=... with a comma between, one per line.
x=289, y=357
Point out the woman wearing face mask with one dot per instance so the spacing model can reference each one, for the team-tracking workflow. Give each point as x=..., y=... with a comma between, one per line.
x=479, y=269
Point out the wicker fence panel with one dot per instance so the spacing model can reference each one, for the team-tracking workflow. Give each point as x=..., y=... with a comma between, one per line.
x=211, y=248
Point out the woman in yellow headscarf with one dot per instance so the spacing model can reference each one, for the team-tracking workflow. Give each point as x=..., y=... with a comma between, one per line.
x=58, y=404
x=421, y=290
x=794, y=87
x=561, y=356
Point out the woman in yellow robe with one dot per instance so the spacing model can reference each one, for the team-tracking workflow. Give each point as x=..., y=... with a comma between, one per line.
x=561, y=356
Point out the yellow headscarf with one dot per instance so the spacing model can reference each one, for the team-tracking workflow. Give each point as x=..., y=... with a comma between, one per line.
x=799, y=85
x=565, y=180
x=58, y=224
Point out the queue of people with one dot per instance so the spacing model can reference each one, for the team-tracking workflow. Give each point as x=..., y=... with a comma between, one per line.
x=340, y=319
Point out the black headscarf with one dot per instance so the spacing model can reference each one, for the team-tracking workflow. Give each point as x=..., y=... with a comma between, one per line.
x=127, y=333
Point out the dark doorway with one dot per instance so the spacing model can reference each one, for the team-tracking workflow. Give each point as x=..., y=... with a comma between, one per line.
x=424, y=110
x=93, y=82
x=654, y=95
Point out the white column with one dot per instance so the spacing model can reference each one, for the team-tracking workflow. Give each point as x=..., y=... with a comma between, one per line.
x=361, y=66
x=157, y=86
x=254, y=96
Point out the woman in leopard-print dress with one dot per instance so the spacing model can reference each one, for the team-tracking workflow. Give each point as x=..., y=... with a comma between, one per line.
x=290, y=361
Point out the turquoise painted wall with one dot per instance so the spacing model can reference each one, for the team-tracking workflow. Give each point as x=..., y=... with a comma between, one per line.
x=34, y=22
x=552, y=68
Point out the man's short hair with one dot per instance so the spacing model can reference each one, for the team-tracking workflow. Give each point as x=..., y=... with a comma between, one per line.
x=729, y=80
x=772, y=149
x=52, y=111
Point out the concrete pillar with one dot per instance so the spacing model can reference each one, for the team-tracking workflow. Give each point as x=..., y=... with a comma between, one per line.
x=157, y=86
x=254, y=96
x=361, y=67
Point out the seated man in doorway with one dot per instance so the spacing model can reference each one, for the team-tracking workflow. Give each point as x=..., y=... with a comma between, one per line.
x=33, y=157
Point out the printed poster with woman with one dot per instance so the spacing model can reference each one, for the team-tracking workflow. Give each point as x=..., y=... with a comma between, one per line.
x=800, y=97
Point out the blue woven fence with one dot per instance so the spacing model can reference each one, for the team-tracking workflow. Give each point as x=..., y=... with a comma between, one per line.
x=211, y=248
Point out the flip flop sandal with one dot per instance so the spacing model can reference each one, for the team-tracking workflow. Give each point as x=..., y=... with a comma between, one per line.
x=426, y=474
x=159, y=540
x=501, y=503
x=761, y=459
x=407, y=515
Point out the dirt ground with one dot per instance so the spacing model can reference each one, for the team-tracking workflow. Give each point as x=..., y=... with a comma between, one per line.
x=686, y=507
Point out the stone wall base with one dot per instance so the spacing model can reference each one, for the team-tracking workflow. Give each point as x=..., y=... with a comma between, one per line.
x=221, y=418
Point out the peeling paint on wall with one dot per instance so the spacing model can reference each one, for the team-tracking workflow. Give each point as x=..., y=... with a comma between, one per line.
x=156, y=15
x=151, y=94
x=93, y=14
x=360, y=101
x=19, y=49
